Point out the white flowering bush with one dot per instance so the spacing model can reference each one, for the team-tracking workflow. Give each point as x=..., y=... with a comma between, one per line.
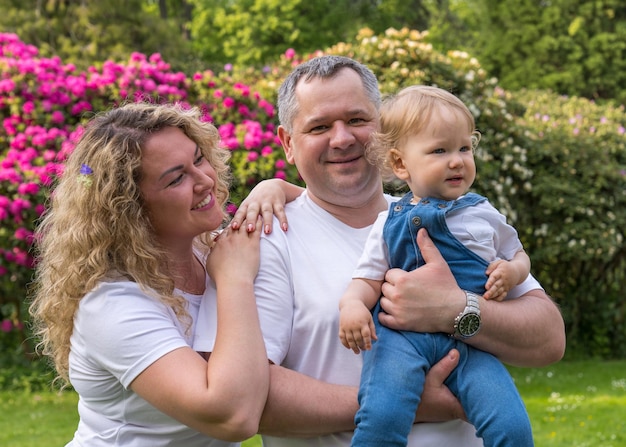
x=575, y=214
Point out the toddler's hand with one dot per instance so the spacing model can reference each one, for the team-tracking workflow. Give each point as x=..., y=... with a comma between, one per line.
x=356, y=327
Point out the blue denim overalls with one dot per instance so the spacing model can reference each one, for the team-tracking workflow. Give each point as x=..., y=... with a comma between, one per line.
x=393, y=373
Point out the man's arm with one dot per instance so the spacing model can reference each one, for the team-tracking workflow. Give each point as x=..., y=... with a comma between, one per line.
x=300, y=406
x=527, y=331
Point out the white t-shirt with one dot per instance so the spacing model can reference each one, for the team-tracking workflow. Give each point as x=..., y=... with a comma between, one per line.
x=302, y=276
x=481, y=228
x=118, y=332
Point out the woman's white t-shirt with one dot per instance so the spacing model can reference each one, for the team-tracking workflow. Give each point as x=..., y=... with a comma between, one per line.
x=119, y=331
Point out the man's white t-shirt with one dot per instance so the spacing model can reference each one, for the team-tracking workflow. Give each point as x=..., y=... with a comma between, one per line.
x=302, y=276
x=118, y=332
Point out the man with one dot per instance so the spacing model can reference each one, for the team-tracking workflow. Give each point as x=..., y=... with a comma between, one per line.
x=328, y=107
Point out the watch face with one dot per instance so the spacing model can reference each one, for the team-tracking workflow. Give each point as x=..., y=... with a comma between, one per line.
x=469, y=325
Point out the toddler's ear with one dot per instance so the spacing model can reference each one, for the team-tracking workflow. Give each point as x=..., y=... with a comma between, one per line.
x=397, y=164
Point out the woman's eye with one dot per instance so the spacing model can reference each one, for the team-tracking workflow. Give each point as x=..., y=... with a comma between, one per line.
x=198, y=160
x=176, y=181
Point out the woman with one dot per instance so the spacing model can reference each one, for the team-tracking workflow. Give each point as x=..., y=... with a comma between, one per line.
x=120, y=276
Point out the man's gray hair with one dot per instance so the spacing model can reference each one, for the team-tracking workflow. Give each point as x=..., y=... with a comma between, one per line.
x=323, y=67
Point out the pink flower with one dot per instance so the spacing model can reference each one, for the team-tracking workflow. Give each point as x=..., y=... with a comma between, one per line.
x=7, y=85
x=281, y=175
x=6, y=325
x=28, y=188
x=228, y=102
x=23, y=234
x=290, y=53
x=18, y=206
x=231, y=208
x=253, y=156
x=227, y=130
x=244, y=89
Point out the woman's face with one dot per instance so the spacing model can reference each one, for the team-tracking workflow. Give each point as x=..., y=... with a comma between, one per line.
x=178, y=185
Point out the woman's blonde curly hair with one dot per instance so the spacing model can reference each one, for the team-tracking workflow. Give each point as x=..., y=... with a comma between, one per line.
x=406, y=114
x=95, y=228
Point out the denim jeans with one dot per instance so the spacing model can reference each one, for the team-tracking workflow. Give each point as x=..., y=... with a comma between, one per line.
x=392, y=382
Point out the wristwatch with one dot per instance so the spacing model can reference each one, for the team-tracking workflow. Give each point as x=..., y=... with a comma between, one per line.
x=467, y=324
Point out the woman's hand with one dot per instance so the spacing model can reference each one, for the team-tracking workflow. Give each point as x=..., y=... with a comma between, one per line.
x=268, y=198
x=235, y=254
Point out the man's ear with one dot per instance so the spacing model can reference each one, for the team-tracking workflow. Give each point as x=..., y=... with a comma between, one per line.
x=286, y=141
x=397, y=164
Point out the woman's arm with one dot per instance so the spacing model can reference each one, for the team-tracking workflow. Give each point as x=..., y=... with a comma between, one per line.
x=526, y=331
x=225, y=396
x=267, y=198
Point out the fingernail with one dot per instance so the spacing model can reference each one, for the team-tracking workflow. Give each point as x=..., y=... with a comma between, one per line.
x=284, y=225
x=267, y=229
x=250, y=228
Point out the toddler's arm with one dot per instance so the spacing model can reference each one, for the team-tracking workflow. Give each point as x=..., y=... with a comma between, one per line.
x=504, y=275
x=356, y=325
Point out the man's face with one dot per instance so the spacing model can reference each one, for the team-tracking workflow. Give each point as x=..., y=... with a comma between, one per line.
x=334, y=121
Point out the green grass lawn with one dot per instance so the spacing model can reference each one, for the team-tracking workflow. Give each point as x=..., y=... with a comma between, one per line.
x=571, y=404
x=576, y=404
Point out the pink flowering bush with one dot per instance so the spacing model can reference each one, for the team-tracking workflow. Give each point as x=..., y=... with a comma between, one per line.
x=44, y=104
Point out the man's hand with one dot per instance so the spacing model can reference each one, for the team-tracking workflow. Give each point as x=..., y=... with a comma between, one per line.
x=427, y=299
x=438, y=404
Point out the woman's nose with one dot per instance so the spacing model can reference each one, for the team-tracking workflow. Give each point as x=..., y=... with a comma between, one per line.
x=202, y=181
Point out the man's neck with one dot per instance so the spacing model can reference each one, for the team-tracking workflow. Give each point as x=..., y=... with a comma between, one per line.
x=354, y=213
